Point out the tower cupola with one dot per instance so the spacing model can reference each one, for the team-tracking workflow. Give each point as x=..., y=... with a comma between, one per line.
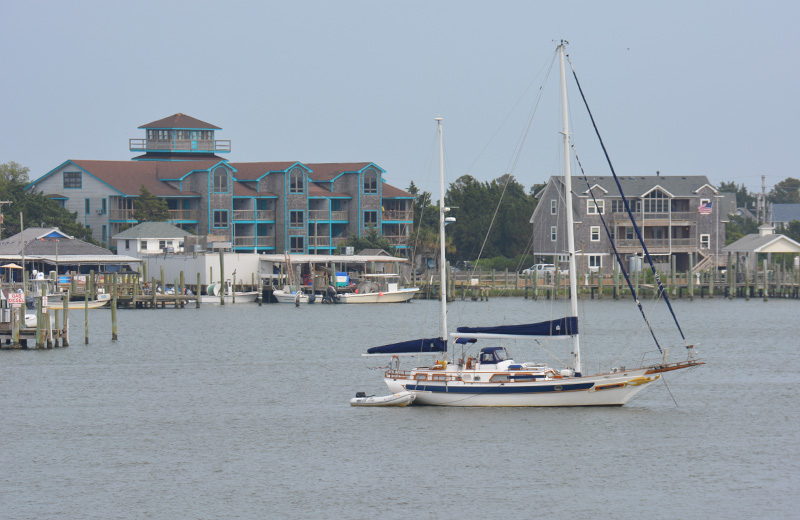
x=179, y=137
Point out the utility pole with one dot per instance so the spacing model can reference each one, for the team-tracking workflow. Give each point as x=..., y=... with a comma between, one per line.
x=762, y=201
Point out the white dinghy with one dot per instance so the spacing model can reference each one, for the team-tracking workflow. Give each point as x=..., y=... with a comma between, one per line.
x=403, y=398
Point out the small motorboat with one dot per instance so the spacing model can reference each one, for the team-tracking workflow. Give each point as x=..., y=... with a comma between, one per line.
x=404, y=398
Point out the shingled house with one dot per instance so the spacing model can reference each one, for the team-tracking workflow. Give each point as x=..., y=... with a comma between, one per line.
x=256, y=206
x=681, y=217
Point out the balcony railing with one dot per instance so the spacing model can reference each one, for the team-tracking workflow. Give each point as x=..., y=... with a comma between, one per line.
x=398, y=214
x=396, y=240
x=639, y=216
x=319, y=241
x=174, y=214
x=254, y=214
x=183, y=214
x=317, y=215
x=339, y=241
x=180, y=145
x=248, y=241
x=658, y=243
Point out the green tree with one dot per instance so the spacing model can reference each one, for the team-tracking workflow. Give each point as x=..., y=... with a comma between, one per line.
x=372, y=240
x=150, y=208
x=744, y=199
x=786, y=191
x=792, y=230
x=14, y=172
x=739, y=226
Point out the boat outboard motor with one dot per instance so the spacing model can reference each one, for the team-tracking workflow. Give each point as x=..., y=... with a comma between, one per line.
x=361, y=394
x=312, y=298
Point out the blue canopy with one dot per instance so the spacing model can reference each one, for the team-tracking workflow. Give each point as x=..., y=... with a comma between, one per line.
x=412, y=346
x=560, y=327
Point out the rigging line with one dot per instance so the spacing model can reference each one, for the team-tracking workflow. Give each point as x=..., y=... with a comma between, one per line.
x=669, y=390
x=616, y=253
x=515, y=157
x=627, y=206
x=513, y=107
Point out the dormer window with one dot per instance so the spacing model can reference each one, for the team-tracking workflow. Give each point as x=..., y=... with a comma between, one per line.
x=296, y=181
x=220, y=180
x=370, y=181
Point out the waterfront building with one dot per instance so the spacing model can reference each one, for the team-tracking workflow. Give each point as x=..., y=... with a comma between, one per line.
x=783, y=214
x=151, y=238
x=682, y=220
x=760, y=246
x=254, y=206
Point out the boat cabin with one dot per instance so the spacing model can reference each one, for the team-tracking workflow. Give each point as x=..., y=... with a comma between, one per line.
x=493, y=355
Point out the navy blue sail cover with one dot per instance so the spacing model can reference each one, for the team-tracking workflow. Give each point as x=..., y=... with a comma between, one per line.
x=560, y=327
x=412, y=346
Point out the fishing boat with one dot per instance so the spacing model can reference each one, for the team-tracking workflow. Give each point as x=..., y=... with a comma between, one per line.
x=492, y=377
x=402, y=398
x=379, y=288
x=230, y=296
x=55, y=301
x=290, y=295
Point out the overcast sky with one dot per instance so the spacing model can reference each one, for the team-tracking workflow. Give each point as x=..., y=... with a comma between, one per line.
x=679, y=87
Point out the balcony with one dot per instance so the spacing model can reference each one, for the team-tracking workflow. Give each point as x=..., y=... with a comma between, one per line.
x=180, y=145
x=174, y=214
x=398, y=214
x=667, y=218
x=658, y=244
x=254, y=214
x=319, y=215
x=397, y=240
x=184, y=214
x=250, y=241
x=319, y=241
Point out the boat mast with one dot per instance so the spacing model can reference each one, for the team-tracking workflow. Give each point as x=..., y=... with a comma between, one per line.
x=573, y=280
x=442, y=262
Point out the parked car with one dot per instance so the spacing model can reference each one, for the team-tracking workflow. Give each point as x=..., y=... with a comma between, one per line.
x=540, y=269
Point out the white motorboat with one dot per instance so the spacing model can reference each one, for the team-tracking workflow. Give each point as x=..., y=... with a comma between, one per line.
x=379, y=288
x=290, y=295
x=213, y=294
x=402, y=398
x=492, y=378
x=57, y=302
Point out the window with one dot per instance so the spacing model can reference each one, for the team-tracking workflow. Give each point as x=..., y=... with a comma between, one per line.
x=705, y=241
x=618, y=206
x=143, y=245
x=220, y=180
x=370, y=181
x=629, y=233
x=87, y=206
x=656, y=202
x=220, y=218
x=553, y=234
x=104, y=231
x=594, y=233
x=296, y=181
x=162, y=244
x=370, y=219
x=296, y=218
x=595, y=262
x=127, y=244
x=296, y=244
x=597, y=207
x=72, y=180
x=104, y=206
x=553, y=207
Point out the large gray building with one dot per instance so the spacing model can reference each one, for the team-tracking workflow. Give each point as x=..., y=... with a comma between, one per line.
x=256, y=206
x=680, y=216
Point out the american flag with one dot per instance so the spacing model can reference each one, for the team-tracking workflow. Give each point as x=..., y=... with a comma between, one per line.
x=704, y=208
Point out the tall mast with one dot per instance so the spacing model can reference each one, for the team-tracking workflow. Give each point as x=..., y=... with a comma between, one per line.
x=442, y=211
x=573, y=280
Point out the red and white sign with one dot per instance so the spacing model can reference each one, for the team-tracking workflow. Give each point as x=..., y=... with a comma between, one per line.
x=16, y=298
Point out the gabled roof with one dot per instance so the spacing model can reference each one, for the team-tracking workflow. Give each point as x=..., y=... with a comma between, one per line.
x=315, y=190
x=785, y=212
x=181, y=121
x=390, y=191
x=48, y=241
x=252, y=171
x=128, y=176
x=755, y=243
x=152, y=230
x=241, y=189
x=329, y=171
x=636, y=186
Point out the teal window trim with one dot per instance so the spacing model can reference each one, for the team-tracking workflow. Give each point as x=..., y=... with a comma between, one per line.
x=72, y=180
x=87, y=206
x=296, y=218
x=217, y=222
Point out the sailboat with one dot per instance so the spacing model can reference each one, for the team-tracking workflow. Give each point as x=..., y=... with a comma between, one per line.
x=492, y=377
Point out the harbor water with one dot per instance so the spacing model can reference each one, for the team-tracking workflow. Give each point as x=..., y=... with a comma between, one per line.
x=242, y=412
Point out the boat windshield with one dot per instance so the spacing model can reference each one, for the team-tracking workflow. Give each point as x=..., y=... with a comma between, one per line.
x=493, y=355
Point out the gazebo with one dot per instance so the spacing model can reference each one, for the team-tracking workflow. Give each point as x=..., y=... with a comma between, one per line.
x=765, y=242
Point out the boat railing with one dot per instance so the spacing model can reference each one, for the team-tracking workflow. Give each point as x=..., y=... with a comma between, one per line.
x=424, y=376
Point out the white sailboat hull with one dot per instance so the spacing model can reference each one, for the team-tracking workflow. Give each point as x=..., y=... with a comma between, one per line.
x=401, y=295
x=602, y=390
x=241, y=297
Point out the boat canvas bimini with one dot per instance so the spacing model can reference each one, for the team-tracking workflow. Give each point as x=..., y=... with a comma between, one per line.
x=491, y=377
